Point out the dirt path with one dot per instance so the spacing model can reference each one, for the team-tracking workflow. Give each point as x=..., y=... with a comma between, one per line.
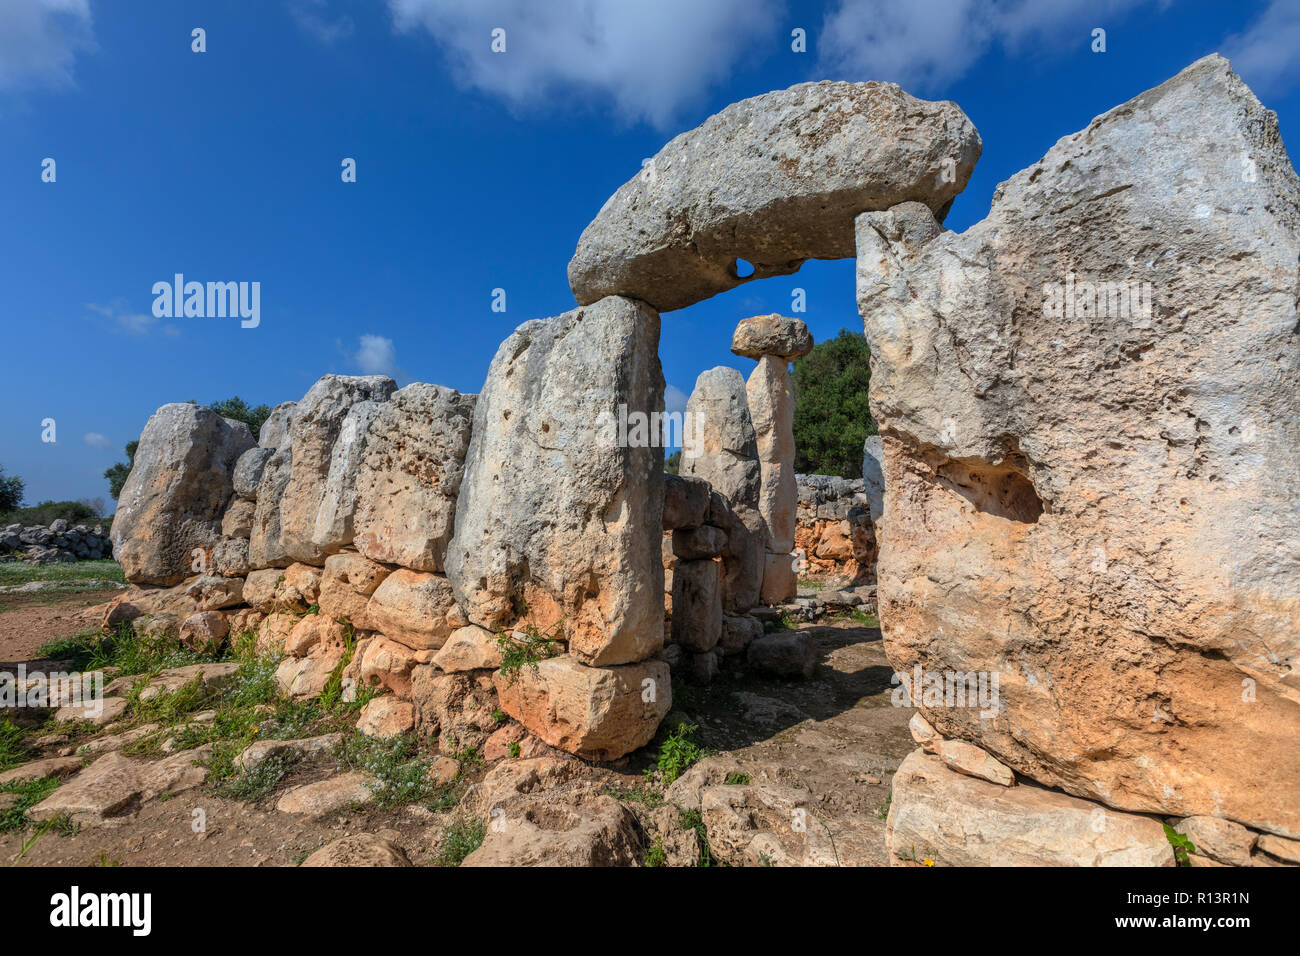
x=27, y=621
x=836, y=736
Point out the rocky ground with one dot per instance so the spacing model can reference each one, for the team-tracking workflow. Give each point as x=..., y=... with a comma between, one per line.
x=774, y=772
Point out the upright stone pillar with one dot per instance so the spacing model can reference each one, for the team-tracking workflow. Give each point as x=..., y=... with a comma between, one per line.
x=775, y=341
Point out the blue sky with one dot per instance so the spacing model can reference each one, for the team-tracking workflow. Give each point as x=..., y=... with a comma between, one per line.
x=475, y=171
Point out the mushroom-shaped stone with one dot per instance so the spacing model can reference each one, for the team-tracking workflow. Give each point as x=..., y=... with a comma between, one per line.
x=778, y=335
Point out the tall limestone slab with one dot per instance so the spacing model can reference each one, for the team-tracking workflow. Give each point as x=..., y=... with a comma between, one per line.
x=410, y=476
x=721, y=446
x=326, y=445
x=173, y=500
x=560, y=510
x=1090, y=414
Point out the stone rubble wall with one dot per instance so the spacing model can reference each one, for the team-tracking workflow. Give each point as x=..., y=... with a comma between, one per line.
x=834, y=534
x=60, y=542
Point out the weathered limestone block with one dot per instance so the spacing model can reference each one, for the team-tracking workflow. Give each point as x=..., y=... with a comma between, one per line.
x=311, y=631
x=386, y=717
x=265, y=549
x=204, y=631
x=308, y=676
x=346, y=586
x=873, y=477
x=1090, y=409
x=599, y=713
x=697, y=604
x=779, y=580
x=275, y=430
x=238, y=519
x=469, y=648
x=317, y=502
x=177, y=492
x=273, y=632
x=553, y=513
x=957, y=820
x=211, y=592
x=411, y=474
x=458, y=709
x=686, y=501
x=785, y=654
x=779, y=336
x=706, y=541
x=360, y=849
x=738, y=630
x=413, y=608
x=722, y=433
x=248, y=472
x=775, y=180
x=229, y=557
x=1221, y=840
x=743, y=558
x=588, y=830
x=335, y=518
x=770, y=396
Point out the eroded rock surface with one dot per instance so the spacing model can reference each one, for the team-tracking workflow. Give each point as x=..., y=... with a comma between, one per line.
x=775, y=179
x=174, y=499
x=556, y=513
x=1090, y=409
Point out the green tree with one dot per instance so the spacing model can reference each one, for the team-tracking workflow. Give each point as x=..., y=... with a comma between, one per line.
x=116, y=474
x=238, y=409
x=831, y=417
x=673, y=463
x=11, y=491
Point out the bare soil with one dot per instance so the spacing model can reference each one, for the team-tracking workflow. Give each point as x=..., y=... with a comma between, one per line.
x=28, y=621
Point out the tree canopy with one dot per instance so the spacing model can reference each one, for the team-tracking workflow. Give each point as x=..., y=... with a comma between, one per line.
x=831, y=417
x=11, y=491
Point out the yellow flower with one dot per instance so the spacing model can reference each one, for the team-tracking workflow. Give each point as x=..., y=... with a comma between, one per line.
x=929, y=862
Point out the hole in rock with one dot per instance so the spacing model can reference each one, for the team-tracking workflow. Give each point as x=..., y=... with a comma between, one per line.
x=742, y=269
x=1003, y=489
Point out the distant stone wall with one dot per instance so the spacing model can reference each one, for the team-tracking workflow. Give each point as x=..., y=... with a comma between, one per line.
x=59, y=542
x=834, y=534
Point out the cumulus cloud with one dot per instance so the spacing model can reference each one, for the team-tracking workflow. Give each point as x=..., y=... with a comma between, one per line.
x=133, y=323
x=96, y=440
x=1265, y=54
x=376, y=355
x=315, y=19
x=674, y=399
x=39, y=41
x=926, y=44
x=647, y=61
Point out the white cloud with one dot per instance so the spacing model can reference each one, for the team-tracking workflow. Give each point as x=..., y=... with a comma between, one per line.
x=647, y=60
x=313, y=18
x=135, y=323
x=926, y=44
x=377, y=356
x=39, y=40
x=674, y=399
x=96, y=440
x=1265, y=54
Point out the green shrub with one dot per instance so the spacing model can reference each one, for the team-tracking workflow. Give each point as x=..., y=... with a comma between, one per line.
x=462, y=838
